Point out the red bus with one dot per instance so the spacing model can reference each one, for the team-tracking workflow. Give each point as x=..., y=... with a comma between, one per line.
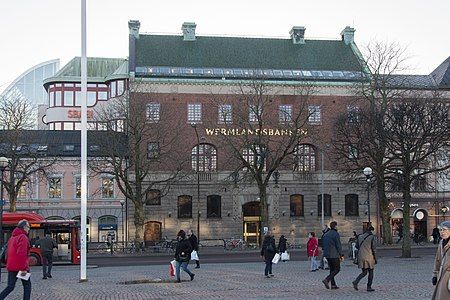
x=65, y=233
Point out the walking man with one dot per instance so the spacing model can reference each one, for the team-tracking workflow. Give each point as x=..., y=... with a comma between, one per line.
x=47, y=244
x=194, y=243
x=332, y=250
x=268, y=251
x=324, y=230
x=183, y=255
x=367, y=258
x=17, y=260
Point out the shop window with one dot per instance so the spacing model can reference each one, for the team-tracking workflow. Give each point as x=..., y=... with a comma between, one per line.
x=214, y=206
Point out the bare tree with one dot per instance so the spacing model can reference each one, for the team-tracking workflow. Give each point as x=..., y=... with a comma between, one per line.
x=258, y=138
x=17, y=116
x=146, y=146
x=418, y=130
x=361, y=135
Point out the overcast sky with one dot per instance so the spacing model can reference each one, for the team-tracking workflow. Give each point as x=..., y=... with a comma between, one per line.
x=34, y=31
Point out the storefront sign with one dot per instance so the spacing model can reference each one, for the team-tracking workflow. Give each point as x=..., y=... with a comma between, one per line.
x=264, y=131
x=76, y=114
x=107, y=227
x=411, y=205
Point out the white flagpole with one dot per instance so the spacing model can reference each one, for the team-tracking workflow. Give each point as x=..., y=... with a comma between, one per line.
x=83, y=276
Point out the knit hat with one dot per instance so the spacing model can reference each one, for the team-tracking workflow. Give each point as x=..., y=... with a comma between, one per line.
x=445, y=224
x=22, y=223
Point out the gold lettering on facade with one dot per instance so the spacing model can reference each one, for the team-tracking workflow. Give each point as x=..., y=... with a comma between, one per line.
x=263, y=131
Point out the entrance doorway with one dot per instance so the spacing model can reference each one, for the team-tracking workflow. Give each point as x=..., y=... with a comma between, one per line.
x=152, y=233
x=252, y=222
x=420, y=222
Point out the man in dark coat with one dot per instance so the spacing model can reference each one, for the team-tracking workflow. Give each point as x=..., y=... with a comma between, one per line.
x=332, y=250
x=47, y=244
x=268, y=251
x=183, y=255
x=324, y=230
x=194, y=243
x=17, y=260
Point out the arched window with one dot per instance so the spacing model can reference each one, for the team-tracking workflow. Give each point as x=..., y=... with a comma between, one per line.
x=326, y=205
x=296, y=205
x=214, y=206
x=54, y=218
x=205, y=156
x=305, y=158
x=184, y=206
x=351, y=205
x=255, y=155
x=107, y=220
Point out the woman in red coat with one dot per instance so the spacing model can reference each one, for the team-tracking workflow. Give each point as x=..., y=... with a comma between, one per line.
x=312, y=248
x=17, y=260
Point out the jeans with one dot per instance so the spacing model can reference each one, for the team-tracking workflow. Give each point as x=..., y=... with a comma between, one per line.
x=314, y=265
x=184, y=266
x=47, y=264
x=12, y=284
x=363, y=274
x=268, y=269
x=335, y=267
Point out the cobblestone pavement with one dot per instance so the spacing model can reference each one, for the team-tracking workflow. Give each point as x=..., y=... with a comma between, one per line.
x=395, y=278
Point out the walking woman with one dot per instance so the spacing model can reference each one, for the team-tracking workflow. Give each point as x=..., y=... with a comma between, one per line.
x=282, y=246
x=366, y=258
x=441, y=272
x=268, y=251
x=183, y=255
x=312, y=249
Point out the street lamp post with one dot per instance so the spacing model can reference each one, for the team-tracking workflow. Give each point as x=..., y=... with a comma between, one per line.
x=3, y=164
x=122, y=202
x=368, y=172
x=198, y=180
x=322, y=190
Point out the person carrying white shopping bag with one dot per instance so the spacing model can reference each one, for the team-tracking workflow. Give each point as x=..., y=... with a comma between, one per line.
x=285, y=256
x=268, y=251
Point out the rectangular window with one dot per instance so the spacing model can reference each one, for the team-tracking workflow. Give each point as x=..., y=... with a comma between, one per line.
x=102, y=95
x=315, y=115
x=58, y=99
x=225, y=114
x=51, y=99
x=77, y=187
x=77, y=98
x=54, y=187
x=254, y=113
x=296, y=206
x=153, y=197
x=152, y=150
x=107, y=187
x=91, y=98
x=326, y=207
x=194, y=113
x=184, y=207
x=351, y=205
x=23, y=190
x=119, y=87
x=352, y=114
x=68, y=98
x=112, y=89
x=153, y=112
x=68, y=126
x=213, y=206
x=285, y=113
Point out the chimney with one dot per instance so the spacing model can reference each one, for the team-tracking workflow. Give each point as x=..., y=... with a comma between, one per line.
x=348, y=35
x=133, y=26
x=298, y=34
x=188, y=29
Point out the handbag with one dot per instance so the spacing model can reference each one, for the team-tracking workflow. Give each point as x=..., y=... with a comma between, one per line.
x=356, y=260
x=276, y=258
x=172, y=268
x=194, y=255
x=285, y=256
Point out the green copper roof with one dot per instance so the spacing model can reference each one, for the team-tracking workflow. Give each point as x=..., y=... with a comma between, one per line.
x=235, y=52
x=98, y=70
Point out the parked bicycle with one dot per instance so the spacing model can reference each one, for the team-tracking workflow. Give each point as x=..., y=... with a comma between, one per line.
x=233, y=244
